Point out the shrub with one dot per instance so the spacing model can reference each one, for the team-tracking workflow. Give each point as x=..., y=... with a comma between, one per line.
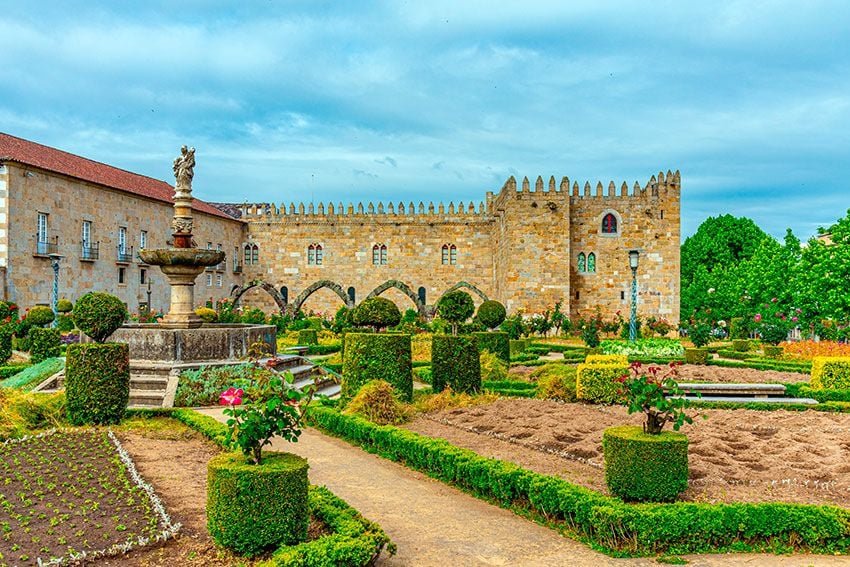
x=491, y=314
x=621, y=359
x=23, y=413
x=643, y=467
x=498, y=343
x=314, y=323
x=64, y=306
x=655, y=348
x=625, y=330
x=5, y=343
x=740, y=345
x=517, y=346
x=514, y=326
x=44, y=344
x=40, y=315
x=378, y=402
x=99, y=314
x=699, y=333
x=253, y=316
x=830, y=373
x=207, y=314
x=556, y=382
x=455, y=362
x=97, y=381
x=376, y=312
x=308, y=337
x=738, y=329
x=598, y=383
x=590, y=334
x=8, y=311
x=493, y=368
x=65, y=323
x=696, y=356
x=773, y=351
x=377, y=357
x=455, y=307
x=252, y=509
x=448, y=399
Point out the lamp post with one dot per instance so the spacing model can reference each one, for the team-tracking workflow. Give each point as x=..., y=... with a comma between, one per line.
x=634, y=256
x=54, y=262
x=149, y=296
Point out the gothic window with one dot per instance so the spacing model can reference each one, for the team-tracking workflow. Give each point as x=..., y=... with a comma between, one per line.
x=445, y=257
x=421, y=294
x=247, y=254
x=449, y=254
x=582, y=265
x=352, y=294
x=284, y=294
x=314, y=254
x=319, y=254
x=453, y=254
x=252, y=254
x=609, y=224
x=383, y=254
x=379, y=254
x=591, y=262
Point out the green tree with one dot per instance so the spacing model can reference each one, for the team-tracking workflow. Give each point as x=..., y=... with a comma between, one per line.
x=823, y=276
x=455, y=307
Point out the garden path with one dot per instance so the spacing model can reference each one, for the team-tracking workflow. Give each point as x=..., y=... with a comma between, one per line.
x=436, y=525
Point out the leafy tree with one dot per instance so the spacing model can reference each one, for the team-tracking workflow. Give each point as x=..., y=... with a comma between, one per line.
x=823, y=276
x=559, y=319
x=377, y=312
x=455, y=307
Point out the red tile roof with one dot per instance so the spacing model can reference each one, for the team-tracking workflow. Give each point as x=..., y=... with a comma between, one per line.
x=50, y=159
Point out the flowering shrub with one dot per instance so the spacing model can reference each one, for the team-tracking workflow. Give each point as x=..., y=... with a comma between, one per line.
x=807, y=350
x=646, y=390
x=654, y=348
x=773, y=323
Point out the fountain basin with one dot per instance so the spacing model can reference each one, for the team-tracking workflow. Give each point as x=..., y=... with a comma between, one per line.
x=181, y=257
x=205, y=343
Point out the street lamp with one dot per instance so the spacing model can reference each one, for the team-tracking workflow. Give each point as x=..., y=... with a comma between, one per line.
x=634, y=256
x=149, y=296
x=54, y=262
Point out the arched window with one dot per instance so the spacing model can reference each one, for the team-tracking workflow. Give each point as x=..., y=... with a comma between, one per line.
x=376, y=254
x=383, y=254
x=445, y=257
x=453, y=254
x=284, y=294
x=314, y=254
x=591, y=262
x=351, y=294
x=609, y=224
x=247, y=254
x=582, y=266
x=255, y=254
x=422, y=295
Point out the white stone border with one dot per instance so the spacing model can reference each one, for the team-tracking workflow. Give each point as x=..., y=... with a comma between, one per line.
x=168, y=531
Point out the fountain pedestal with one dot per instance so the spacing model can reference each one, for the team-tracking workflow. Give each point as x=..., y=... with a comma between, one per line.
x=182, y=315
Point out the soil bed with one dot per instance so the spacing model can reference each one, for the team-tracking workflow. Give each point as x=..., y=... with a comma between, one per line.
x=704, y=373
x=735, y=455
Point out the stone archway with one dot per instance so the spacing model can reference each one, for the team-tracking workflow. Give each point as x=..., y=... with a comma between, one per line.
x=467, y=285
x=313, y=288
x=405, y=289
x=238, y=291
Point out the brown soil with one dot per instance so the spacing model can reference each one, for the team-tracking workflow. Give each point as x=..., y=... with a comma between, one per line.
x=735, y=455
x=703, y=373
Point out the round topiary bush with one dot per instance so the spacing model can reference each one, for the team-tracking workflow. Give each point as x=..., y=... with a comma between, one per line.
x=491, y=314
x=455, y=362
x=5, y=343
x=44, y=344
x=40, y=315
x=498, y=343
x=696, y=356
x=207, y=314
x=308, y=337
x=99, y=314
x=455, y=307
x=643, y=467
x=254, y=508
x=376, y=312
x=64, y=306
x=97, y=382
x=377, y=357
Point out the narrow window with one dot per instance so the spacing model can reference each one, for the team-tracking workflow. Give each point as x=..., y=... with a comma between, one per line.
x=576, y=295
x=582, y=266
x=284, y=293
x=445, y=257
x=42, y=228
x=453, y=253
x=383, y=254
x=422, y=295
x=376, y=254
x=218, y=280
x=143, y=276
x=609, y=224
x=235, y=258
x=122, y=276
x=591, y=262
x=209, y=245
x=255, y=254
x=247, y=254
x=623, y=295
x=86, y=235
x=143, y=239
x=209, y=280
x=352, y=295
x=662, y=214
x=311, y=255
x=122, y=240
x=318, y=254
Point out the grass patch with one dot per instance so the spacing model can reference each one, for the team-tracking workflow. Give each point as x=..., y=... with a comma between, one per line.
x=32, y=376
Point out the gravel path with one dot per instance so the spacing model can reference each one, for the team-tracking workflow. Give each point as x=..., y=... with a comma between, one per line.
x=436, y=525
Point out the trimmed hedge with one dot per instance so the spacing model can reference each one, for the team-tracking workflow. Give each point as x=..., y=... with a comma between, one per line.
x=680, y=527
x=696, y=356
x=40, y=315
x=28, y=377
x=97, y=382
x=98, y=314
x=44, y=344
x=518, y=346
x=762, y=364
x=737, y=355
x=773, y=351
x=643, y=467
x=253, y=508
x=319, y=350
x=607, y=359
x=455, y=362
x=830, y=373
x=497, y=342
x=598, y=382
x=6, y=332
x=740, y=345
x=371, y=356
x=308, y=337
x=12, y=369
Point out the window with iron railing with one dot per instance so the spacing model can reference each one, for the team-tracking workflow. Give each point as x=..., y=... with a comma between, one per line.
x=125, y=254
x=89, y=251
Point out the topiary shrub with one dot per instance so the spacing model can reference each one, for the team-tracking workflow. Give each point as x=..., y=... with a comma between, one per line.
x=44, y=344
x=740, y=345
x=378, y=402
x=498, y=343
x=455, y=362
x=208, y=314
x=65, y=323
x=555, y=382
x=376, y=312
x=314, y=323
x=308, y=337
x=98, y=314
x=370, y=357
x=455, y=307
x=5, y=343
x=643, y=467
x=830, y=373
x=598, y=383
x=773, y=351
x=491, y=314
x=493, y=368
x=696, y=356
x=621, y=359
x=40, y=315
x=97, y=382
x=255, y=508
x=64, y=306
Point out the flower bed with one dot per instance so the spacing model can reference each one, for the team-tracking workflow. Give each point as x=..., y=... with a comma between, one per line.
x=807, y=350
x=70, y=496
x=650, y=348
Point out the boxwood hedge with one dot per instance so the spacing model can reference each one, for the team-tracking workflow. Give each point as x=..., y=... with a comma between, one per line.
x=598, y=382
x=643, y=467
x=308, y=337
x=6, y=332
x=97, y=382
x=455, y=362
x=498, y=343
x=44, y=344
x=372, y=356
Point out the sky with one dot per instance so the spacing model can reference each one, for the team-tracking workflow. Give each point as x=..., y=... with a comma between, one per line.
x=444, y=99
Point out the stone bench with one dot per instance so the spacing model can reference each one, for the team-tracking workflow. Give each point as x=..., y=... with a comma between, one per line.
x=751, y=390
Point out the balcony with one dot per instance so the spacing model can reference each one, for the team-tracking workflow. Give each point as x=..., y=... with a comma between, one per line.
x=45, y=246
x=89, y=252
x=237, y=268
x=125, y=255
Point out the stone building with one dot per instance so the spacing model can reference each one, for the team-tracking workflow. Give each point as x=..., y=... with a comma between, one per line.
x=96, y=217
x=528, y=247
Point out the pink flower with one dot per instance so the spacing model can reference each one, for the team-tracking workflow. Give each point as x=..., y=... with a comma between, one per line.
x=798, y=310
x=794, y=319
x=231, y=397
x=774, y=300
x=757, y=317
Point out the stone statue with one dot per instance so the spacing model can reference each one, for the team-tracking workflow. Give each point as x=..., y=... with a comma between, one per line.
x=184, y=170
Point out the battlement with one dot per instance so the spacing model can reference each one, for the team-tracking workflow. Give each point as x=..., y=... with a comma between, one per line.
x=298, y=211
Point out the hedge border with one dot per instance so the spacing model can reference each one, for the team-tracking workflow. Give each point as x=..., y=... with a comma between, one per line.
x=606, y=522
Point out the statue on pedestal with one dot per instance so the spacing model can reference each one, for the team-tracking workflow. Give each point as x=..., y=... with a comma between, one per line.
x=184, y=170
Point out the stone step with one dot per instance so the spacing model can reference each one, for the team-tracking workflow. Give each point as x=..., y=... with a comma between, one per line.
x=319, y=380
x=145, y=398
x=747, y=400
x=149, y=382
x=300, y=372
x=330, y=391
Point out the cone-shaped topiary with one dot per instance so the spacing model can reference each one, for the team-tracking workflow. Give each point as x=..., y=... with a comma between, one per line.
x=491, y=314
x=455, y=307
x=376, y=312
x=99, y=314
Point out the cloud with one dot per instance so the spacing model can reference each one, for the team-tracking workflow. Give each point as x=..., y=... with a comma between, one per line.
x=387, y=161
